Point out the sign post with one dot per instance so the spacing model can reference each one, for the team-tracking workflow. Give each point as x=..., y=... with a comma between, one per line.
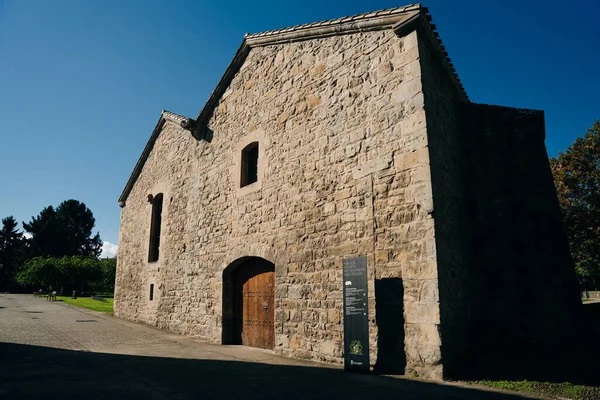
x=356, y=315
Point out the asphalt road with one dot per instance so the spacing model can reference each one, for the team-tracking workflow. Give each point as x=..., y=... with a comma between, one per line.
x=50, y=350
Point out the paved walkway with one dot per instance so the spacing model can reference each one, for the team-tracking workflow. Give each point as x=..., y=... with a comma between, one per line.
x=51, y=350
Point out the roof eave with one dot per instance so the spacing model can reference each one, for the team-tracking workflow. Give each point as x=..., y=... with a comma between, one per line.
x=234, y=66
x=164, y=117
x=386, y=19
x=432, y=35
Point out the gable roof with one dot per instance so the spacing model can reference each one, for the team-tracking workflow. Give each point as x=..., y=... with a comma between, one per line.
x=400, y=20
x=164, y=117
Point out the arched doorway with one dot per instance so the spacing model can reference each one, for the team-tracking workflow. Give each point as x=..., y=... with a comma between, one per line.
x=249, y=303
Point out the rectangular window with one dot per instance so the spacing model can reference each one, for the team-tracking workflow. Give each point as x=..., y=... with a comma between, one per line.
x=151, y=291
x=249, y=164
x=157, y=205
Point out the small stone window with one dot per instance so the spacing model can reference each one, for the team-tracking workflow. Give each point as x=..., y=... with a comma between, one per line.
x=151, y=291
x=157, y=205
x=249, y=164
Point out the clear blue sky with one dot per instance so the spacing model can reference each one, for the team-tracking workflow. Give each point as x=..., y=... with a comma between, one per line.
x=83, y=82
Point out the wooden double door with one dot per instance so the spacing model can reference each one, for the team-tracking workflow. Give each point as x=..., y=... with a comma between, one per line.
x=254, y=304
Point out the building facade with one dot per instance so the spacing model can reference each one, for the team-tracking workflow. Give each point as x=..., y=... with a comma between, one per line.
x=346, y=138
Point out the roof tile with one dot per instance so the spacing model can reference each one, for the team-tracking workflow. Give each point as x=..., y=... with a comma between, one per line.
x=341, y=20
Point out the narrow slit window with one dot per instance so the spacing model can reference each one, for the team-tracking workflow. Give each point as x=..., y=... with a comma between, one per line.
x=157, y=205
x=249, y=164
x=151, y=291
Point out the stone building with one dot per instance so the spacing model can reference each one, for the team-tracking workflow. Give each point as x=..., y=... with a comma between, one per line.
x=338, y=139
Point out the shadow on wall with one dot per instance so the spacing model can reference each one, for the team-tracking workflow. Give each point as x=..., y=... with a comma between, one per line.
x=591, y=313
x=28, y=372
x=577, y=364
x=389, y=300
x=525, y=320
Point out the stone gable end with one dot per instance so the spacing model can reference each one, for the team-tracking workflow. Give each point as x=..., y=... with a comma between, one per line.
x=343, y=172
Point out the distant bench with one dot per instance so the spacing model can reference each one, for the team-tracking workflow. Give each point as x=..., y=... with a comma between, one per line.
x=50, y=296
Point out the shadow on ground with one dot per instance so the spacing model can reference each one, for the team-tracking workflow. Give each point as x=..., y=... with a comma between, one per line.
x=40, y=372
x=577, y=363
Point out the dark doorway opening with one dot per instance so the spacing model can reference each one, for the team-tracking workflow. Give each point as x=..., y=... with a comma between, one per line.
x=389, y=307
x=249, y=303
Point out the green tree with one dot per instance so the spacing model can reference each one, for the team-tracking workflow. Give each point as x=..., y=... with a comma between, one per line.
x=40, y=273
x=577, y=179
x=109, y=273
x=12, y=246
x=64, y=231
x=44, y=240
x=65, y=273
x=80, y=273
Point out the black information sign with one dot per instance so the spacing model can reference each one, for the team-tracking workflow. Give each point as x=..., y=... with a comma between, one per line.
x=356, y=315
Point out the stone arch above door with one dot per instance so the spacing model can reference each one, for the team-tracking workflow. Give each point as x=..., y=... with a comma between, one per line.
x=248, y=249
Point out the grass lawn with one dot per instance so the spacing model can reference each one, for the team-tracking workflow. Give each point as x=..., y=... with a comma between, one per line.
x=546, y=389
x=86, y=302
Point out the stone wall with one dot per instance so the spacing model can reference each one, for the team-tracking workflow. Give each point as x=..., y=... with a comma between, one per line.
x=526, y=291
x=446, y=147
x=344, y=173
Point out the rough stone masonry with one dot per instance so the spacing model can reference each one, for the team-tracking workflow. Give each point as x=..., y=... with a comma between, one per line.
x=367, y=146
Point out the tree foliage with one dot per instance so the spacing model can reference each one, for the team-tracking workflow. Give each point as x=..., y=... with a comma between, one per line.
x=12, y=252
x=61, y=252
x=577, y=179
x=64, y=231
x=109, y=274
x=68, y=273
